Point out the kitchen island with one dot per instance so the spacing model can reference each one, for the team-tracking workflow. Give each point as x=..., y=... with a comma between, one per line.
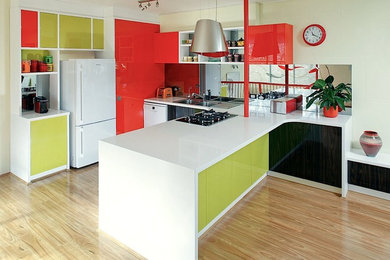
x=161, y=187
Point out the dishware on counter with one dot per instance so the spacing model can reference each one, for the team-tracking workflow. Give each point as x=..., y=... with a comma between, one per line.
x=40, y=105
x=371, y=143
x=236, y=57
x=230, y=58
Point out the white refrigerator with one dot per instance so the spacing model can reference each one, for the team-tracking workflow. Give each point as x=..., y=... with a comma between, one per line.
x=88, y=93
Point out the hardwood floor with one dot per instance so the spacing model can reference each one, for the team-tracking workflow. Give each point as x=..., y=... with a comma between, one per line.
x=57, y=218
x=284, y=220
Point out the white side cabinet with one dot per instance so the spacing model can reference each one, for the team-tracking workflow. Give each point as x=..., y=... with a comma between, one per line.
x=155, y=114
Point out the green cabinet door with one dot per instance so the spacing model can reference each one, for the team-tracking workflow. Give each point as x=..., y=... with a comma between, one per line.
x=259, y=155
x=75, y=32
x=48, y=30
x=222, y=183
x=49, y=144
x=98, y=33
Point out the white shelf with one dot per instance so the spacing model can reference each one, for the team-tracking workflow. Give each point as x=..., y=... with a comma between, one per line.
x=39, y=49
x=358, y=155
x=39, y=73
x=28, y=92
x=236, y=48
x=185, y=45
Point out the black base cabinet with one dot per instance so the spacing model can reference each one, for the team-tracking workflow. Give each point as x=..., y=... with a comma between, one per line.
x=307, y=151
x=369, y=176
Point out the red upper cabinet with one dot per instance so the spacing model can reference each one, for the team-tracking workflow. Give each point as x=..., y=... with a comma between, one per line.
x=29, y=28
x=166, y=47
x=271, y=44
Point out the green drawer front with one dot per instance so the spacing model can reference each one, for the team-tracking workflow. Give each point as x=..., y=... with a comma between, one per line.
x=98, y=33
x=49, y=30
x=75, y=32
x=49, y=144
x=220, y=184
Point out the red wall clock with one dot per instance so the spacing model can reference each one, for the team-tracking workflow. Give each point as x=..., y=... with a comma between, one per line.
x=314, y=34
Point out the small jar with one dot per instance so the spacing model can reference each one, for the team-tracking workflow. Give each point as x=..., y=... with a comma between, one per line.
x=236, y=57
x=195, y=58
x=230, y=58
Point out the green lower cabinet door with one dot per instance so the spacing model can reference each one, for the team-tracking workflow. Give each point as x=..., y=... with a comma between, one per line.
x=202, y=200
x=259, y=157
x=219, y=188
x=222, y=183
x=241, y=171
x=49, y=144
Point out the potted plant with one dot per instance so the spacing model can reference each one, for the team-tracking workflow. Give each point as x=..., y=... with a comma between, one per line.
x=329, y=96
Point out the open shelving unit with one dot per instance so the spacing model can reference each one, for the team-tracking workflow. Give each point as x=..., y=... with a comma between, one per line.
x=231, y=34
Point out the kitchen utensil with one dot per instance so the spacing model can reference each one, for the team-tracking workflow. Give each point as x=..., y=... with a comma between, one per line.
x=50, y=67
x=34, y=66
x=40, y=105
x=42, y=66
x=230, y=58
x=48, y=59
x=236, y=57
x=26, y=66
x=283, y=105
x=164, y=92
x=30, y=101
x=240, y=42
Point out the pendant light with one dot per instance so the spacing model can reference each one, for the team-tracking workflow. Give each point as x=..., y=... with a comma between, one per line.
x=209, y=39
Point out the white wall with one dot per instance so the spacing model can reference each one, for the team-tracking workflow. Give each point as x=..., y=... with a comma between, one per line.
x=4, y=86
x=357, y=34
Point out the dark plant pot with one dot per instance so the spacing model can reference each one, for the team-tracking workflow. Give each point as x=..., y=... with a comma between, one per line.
x=371, y=143
x=331, y=112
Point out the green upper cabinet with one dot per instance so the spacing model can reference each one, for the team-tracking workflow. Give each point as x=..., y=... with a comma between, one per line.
x=49, y=30
x=98, y=33
x=75, y=32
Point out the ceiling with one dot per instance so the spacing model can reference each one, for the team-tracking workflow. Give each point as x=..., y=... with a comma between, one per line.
x=168, y=6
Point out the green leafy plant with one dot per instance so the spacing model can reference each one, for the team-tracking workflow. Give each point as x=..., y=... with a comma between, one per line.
x=329, y=95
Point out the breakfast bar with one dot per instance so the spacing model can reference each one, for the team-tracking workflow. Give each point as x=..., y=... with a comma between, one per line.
x=162, y=187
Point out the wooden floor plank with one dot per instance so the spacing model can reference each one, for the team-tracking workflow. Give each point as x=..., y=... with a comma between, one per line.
x=57, y=218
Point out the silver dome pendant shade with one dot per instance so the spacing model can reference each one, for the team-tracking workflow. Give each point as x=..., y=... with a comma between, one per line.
x=209, y=39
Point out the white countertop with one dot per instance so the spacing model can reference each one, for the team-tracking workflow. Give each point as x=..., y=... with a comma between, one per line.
x=172, y=102
x=198, y=147
x=32, y=115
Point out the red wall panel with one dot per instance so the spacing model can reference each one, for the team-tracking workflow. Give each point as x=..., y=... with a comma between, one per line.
x=166, y=47
x=185, y=76
x=271, y=44
x=137, y=75
x=29, y=21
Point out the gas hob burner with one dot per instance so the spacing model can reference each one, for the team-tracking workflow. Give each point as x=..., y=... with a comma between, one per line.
x=206, y=118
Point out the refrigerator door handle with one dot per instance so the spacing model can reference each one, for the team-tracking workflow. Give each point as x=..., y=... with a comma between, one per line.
x=81, y=142
x=81, y=96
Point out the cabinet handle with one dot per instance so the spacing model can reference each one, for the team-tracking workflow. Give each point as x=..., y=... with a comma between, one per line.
x=82, y=143
x=81, y=95
x=153, y=108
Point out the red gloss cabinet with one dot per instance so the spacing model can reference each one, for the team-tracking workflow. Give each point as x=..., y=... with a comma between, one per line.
x=271, y=44
x=166, y=47
x=29, y=21
x=137, y=74
x=185, y=76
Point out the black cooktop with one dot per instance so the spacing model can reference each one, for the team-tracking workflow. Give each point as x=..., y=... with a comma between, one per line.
x=206, y=118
